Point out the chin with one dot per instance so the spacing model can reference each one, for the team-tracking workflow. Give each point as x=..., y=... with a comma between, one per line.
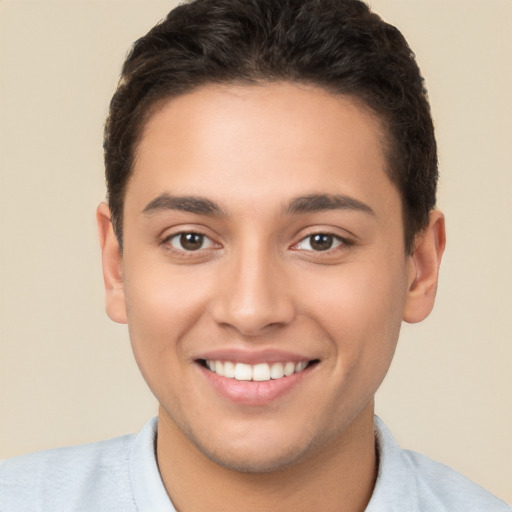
x=254, y=451
x=247, y=461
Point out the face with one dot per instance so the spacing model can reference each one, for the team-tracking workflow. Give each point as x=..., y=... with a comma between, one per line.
x=264, y=276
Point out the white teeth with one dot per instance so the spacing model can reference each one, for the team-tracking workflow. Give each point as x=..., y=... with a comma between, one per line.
x=289, y=369
x=277, y=371
x=242, y=371
x=219, y=368
x=300, y=366
x=261, y=372
x=229, y=370
x=258, y=372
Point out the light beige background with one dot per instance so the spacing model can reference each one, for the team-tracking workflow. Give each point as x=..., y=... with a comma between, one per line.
x=66, y=371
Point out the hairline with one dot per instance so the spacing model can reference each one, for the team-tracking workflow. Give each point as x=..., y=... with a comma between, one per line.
x=152, y=105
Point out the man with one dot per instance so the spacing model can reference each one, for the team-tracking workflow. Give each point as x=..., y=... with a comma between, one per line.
x=271, y=171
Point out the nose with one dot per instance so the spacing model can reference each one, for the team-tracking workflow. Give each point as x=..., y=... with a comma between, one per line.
x=253, y=296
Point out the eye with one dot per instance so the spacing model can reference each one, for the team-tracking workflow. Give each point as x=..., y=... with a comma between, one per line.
x=320, y=242
x=189, y=242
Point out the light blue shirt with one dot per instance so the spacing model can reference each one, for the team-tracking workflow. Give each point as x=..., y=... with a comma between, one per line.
x=121, y=475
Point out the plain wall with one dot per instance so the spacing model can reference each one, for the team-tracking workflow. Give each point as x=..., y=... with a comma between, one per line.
x=66, y=371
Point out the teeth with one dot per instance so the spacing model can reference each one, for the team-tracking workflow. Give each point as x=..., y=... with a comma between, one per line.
x=261, y=372
x=242, y=371
x=258, y=372
x=229, y=370
x=219, y=368
x=277, y=371
x=300, y=366
x=289, y=369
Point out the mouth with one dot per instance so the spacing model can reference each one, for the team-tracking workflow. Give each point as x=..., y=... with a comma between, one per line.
x=260, y=372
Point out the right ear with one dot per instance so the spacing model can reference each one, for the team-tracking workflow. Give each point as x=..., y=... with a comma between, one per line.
x=112, y=260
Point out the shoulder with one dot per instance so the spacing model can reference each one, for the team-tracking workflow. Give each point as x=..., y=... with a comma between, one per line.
x=447, y=489
x=58, y=479
x=410, y=481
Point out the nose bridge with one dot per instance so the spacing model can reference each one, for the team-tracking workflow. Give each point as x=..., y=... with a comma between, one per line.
x=254, y=294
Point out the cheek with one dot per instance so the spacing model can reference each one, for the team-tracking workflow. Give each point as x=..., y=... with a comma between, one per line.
x=161, y=310
x=161, y=307
x=360, y=308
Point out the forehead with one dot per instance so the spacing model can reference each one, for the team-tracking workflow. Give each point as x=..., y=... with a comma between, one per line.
x=240, y=144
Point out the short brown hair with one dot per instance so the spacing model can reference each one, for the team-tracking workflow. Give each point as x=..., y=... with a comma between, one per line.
x=336, y=44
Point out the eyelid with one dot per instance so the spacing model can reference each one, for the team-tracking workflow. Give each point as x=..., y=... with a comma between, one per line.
x=338, y=241
x=346, y=236
x=184, y=228
x=178, y=235
x=168, y=235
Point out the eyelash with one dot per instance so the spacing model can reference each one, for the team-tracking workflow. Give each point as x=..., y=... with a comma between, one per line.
x=332, y=239
x=168, y=242
x=335, y=240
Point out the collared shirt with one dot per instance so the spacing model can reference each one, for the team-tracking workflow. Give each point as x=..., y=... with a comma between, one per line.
x=121, y=475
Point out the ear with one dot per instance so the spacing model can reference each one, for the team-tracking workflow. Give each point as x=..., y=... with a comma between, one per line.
x=425, y=260
x=112, y=261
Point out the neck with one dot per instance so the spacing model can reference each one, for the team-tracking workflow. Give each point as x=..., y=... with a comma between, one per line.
x=341, y=473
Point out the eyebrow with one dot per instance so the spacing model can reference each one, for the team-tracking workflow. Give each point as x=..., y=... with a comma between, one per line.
x=304, y=204
x=320, y=202
x=190, y=204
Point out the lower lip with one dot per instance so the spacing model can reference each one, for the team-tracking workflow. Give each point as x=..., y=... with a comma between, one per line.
x=253, y=393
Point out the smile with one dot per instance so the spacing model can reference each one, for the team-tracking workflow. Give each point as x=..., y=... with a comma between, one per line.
x=258, y=372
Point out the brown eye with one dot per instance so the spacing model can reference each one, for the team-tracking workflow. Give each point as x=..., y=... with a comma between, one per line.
x=190, y=242
x=321, y=242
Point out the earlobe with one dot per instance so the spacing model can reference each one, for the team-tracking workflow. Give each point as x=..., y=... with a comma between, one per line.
x=112, y=261
x=425, y=262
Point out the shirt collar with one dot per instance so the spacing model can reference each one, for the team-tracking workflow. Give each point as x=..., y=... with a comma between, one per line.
x=148, y=489
x=395, y=486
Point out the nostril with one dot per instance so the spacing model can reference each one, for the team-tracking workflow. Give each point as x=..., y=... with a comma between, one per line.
x=253, y=301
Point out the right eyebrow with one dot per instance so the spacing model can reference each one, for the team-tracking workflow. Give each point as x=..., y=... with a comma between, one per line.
x=321, y=202
x=192, y=204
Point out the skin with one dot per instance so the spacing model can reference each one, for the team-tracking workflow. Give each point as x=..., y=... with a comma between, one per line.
x=258, y=288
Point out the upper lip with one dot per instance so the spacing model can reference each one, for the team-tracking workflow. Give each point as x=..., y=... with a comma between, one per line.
x=252, y=356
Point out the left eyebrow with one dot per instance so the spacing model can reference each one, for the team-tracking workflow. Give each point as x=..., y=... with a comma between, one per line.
x=320, y=202
x=192, y=204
